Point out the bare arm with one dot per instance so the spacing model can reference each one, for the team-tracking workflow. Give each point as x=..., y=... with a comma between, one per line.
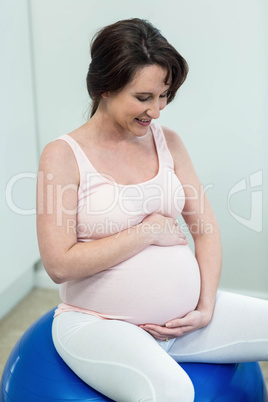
x=202, y=224
x=63, y=257
x=205, y=231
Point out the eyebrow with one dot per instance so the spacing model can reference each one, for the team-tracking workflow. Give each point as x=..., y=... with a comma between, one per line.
x=148, y=93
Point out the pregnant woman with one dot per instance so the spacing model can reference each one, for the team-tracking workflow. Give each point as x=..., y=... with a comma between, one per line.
x=135, y=299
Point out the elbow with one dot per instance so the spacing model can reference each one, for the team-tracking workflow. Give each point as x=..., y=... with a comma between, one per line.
x=57, y=275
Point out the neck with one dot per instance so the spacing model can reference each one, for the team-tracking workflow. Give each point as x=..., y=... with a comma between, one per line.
x=102, y=129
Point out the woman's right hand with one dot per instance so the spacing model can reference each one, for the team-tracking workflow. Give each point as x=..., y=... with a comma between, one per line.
x=164, y=230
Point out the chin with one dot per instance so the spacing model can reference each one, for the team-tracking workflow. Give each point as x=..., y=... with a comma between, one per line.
x=140, y=131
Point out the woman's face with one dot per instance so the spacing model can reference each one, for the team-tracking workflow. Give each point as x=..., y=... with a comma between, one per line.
x=135, y=106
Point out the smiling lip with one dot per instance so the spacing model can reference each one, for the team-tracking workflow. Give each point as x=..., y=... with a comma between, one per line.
x=143, y=122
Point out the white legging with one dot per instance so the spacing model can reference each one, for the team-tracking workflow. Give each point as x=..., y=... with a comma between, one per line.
x=125, y=363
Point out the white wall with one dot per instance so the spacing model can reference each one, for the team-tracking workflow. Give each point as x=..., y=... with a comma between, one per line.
x=18, y=155
x=219, y=111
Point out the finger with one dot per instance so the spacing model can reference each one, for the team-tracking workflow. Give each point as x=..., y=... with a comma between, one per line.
x=180, y=233
x=171, y=334
x=179, y=230
x=156, y=329
x=178, y=322
x=160, y=331
x=182, y=241
x=155, y=334
x=158, y=336
x=185, y=331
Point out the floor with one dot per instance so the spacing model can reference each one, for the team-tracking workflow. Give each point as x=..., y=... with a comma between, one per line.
x=13, y=325
x=38, y=302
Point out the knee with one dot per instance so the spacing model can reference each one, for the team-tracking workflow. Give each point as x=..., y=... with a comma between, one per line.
x=180, y=393
x=178, y=388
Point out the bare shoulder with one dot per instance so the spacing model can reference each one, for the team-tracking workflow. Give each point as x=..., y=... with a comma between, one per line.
x=175, y=145
x=171, y=135
x=58, y=158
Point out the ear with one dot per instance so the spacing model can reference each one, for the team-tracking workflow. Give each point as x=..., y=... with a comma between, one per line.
x=105, y=94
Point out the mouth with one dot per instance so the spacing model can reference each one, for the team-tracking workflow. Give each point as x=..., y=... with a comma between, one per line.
x=144, y=122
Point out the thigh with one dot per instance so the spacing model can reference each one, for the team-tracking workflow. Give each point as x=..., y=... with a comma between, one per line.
x=119, y=359
x=238, y=332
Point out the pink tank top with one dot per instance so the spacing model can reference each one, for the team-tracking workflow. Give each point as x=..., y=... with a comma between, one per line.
x=158, y=283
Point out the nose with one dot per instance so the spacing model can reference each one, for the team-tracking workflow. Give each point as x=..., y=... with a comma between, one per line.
x=154, y=110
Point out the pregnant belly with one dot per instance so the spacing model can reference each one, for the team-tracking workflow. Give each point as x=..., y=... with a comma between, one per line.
x=154, y=286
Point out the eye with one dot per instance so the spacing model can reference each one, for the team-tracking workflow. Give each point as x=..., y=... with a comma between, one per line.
x=146, y=99
x=143, y=99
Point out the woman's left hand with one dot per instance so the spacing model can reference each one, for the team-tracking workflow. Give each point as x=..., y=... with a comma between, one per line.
x=179, y=326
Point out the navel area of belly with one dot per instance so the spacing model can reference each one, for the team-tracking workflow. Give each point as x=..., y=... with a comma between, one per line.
x=157, y=285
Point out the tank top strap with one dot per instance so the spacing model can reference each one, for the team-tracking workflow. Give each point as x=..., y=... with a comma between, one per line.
x=85, y=167
x=164, y=155
x=82, y=161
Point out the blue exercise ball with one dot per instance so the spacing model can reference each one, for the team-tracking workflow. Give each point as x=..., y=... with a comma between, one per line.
x=35, y=372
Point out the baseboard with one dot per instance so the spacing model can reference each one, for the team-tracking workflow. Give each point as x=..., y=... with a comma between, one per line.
x=41, y=278
x=14, y=293
x=246, y=292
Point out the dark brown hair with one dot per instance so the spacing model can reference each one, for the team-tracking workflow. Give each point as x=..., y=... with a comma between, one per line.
x=120, y=49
